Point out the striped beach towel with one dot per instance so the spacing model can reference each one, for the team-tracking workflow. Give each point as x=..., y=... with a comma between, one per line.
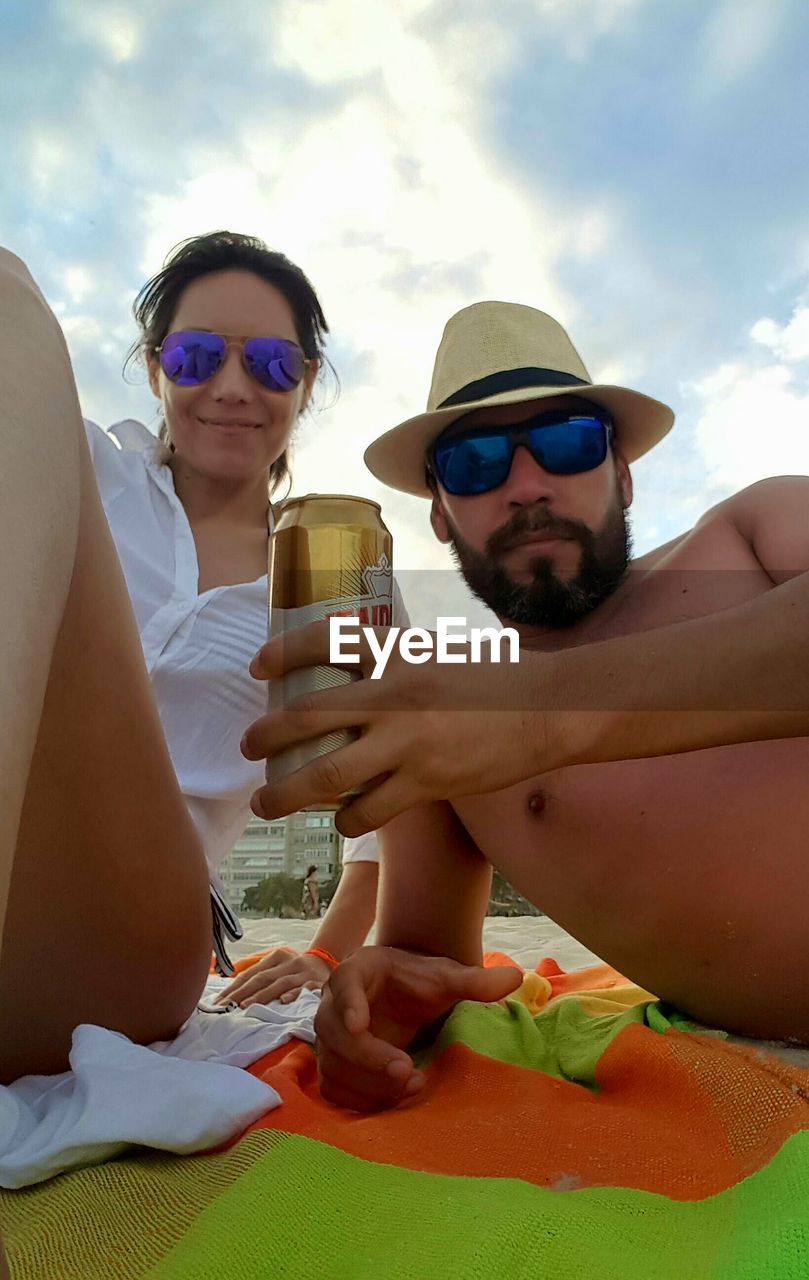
x=579, y=1130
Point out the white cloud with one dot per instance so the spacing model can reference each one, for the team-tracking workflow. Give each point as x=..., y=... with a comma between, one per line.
x=751, y=423
x=586, y=21
x=116, y=30
x=738, y=36
x=53, y=163
x=577, y=25
x=79, y=282
x=752, y=419
x=223, y=195
x=376, y=173
x=361, y=141
x=340, y=40
x=790, y=342
x=396, y=209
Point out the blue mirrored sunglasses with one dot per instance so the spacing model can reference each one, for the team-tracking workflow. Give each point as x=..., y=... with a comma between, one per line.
x=192, y=356
x=479, y=459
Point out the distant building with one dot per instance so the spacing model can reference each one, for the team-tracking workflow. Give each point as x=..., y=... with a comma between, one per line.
x=312, y=841
x=290, y=844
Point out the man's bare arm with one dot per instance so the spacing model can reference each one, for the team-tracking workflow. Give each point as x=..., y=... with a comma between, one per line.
x=434, y=885
x=740, y=675
x=438, y=732
x=434, y=888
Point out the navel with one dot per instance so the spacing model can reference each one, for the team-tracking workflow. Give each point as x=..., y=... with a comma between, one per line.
x=536, y=803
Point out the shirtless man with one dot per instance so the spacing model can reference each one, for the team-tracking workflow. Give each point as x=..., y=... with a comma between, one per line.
x=688, y=872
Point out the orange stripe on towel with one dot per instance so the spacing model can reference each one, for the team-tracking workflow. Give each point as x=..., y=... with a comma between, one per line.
x=486, y=1118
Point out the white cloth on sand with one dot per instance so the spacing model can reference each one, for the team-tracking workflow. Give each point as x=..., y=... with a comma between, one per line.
x=182, y=1095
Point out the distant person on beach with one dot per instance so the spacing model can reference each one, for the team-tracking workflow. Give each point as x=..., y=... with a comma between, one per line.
x=640, y=775
x=310, y=902
x=124, y=684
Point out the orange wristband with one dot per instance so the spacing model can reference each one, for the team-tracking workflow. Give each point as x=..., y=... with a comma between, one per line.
x=322, y=955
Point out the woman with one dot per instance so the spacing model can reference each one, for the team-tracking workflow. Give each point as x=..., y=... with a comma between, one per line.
x=310, y=899
x=190, y=519
x=95, y=830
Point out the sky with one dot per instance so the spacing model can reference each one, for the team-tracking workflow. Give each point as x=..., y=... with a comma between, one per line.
x=636, y=168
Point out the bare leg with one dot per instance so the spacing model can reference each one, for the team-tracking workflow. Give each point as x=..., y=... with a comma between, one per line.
x=103, y=882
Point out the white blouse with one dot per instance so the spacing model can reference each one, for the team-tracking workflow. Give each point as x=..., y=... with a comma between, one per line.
x=197, y=646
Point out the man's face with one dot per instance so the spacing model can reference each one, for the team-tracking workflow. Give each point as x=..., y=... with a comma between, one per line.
x=541, y=550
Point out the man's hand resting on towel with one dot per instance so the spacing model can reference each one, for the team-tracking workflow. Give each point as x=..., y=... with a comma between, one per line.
x=280, y=975
x=374, y=1006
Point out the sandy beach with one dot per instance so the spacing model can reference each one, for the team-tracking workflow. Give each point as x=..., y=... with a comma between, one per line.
x=526, y=938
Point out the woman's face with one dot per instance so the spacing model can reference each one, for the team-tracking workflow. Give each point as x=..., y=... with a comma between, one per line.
x=231, y=427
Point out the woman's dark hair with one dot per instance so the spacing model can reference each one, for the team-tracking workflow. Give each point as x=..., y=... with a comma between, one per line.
x=156, y=304
x=309, y=872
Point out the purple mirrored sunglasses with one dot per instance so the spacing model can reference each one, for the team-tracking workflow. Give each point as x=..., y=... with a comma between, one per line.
x=192, y=356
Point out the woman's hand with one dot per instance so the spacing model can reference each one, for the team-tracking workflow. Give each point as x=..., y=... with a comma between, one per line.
x=373, y=1007
x=431, y=731
x=280, y=975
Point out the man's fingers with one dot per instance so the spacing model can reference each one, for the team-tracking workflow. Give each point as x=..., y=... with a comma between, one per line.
x=349, y=1084
x=352, y=987
x=304, y=718
x=304, y=647
x=310, y=646
x=344, y=1011
x=341, y=1091
x=362, y=1052
x=322, y=781
x=379, y=804
x=486, y=985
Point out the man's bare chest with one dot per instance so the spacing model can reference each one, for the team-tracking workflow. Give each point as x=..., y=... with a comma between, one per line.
x=750, y=794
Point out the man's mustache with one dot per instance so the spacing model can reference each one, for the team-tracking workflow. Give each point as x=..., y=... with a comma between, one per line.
x=536, y=520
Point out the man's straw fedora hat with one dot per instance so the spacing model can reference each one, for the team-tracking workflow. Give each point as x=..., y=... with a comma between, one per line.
x=497, y=353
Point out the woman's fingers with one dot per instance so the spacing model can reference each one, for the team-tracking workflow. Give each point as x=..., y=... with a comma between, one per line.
x=276, y=989
x=274, y=963
x=280, y=975
x=294, y=992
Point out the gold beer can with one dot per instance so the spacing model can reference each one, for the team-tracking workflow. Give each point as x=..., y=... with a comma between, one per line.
x=330, y=556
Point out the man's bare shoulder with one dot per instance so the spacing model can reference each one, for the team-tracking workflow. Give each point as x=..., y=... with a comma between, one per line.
x=772, y=516
x=764, y=498
x=651, y=559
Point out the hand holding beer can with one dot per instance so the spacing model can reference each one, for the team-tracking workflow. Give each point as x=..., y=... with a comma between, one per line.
x=330, y=556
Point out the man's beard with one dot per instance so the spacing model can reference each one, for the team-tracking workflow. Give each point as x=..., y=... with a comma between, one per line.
x=547, y=600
